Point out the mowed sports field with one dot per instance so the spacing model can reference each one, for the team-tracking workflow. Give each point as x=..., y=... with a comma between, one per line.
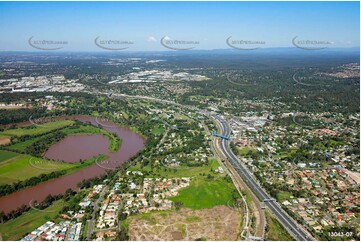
x=17, y=167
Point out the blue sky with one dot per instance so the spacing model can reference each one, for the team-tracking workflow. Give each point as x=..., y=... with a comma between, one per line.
x=145, y=23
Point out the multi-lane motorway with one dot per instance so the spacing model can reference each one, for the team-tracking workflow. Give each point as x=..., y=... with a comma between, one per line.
x=298, y=232
x=295, y=229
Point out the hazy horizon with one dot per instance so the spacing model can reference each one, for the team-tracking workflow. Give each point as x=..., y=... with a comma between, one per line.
x=142, y=26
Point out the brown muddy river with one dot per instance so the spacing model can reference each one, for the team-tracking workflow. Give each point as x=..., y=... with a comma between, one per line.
x=72, y=149
x=76, y=148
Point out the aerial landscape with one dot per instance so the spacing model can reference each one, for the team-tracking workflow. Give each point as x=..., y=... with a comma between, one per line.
x=166, y=121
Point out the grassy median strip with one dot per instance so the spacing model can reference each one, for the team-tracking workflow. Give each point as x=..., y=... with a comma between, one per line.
x=275, y=230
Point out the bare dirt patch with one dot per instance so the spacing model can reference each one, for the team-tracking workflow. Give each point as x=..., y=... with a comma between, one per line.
x=218, y=223
x=4, y=140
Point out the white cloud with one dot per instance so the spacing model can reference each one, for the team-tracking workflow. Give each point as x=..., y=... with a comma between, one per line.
x=167, y=38
x=152, y=39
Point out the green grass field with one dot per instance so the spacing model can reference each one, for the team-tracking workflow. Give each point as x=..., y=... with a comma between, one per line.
x=181, y=117
x=158, y=130
x=114, y=141
x=180, y=171
x=283, y=196
x=21, y=167
x=21, y=146
x=275, y=231
x=245, y=150
x=36, y=129
x=16, y=228
x=6, y=155
x=86, y=227
x=203, y=193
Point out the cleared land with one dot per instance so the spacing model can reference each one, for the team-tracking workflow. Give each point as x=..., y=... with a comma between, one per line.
x=4, y=140
x=218, y=223
x=203, y=214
